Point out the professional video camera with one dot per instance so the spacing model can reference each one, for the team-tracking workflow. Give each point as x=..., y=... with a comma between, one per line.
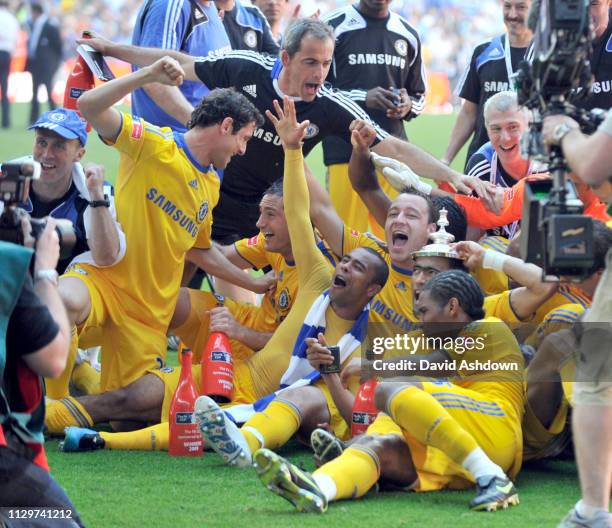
x=15, y=179
x=555, y=235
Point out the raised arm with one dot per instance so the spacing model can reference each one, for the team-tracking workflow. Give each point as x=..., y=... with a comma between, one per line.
x=532, y=292
x=140, y=56
x=102, y=230
x=425, y=165
x=364, y=181
x=296, y=199
x=97, y=105
x=323, y=214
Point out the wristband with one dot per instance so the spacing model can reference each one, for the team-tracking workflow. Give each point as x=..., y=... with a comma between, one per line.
x=47, y=274
x=494, y=260
x=100, y=203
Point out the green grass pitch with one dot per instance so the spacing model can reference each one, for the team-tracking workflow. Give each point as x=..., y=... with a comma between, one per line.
x=139, y=489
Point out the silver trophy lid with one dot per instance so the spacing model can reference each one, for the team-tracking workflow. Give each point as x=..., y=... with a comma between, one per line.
x=441, y=241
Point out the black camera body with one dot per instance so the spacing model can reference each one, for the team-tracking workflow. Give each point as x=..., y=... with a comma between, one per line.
x=561, y=242
x=554, y=234
x=15, y=179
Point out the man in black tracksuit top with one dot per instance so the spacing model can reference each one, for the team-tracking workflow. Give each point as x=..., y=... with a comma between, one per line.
x=377, y=60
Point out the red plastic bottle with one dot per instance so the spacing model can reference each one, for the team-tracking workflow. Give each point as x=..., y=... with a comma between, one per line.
x=185, y=438
x=218, y=368
x=364, y=408
x=80, y=80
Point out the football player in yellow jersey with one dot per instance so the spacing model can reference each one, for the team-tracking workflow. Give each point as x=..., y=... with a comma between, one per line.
x=409, y=222
x=431, y=435
x=356, y=279
x=166, y=190
x=549, y=379
x=248, y=326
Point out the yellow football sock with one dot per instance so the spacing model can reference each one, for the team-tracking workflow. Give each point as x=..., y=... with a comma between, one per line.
x=86, y=379
x=423, y=417
x=354, y=472
x=57, y=388
x=65, y=412
x=154, y=438
x=272, y=427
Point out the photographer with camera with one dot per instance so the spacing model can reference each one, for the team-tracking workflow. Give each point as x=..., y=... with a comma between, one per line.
x=68, y=190
x=35, y=344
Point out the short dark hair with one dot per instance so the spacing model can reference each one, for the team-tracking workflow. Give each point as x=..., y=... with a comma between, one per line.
x=297, y=30
x=381, y=270
x=460, y=285
x=431, y=208
x=221, y=103
x=276, y=189
x=456, y=216
x=602, y=242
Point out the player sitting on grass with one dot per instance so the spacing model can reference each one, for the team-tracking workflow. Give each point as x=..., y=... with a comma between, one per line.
x=431, y=435
x=166, y=190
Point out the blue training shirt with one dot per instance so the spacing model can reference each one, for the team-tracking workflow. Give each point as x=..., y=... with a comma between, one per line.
x=183, y=25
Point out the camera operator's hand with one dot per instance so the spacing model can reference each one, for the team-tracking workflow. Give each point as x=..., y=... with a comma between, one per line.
x=553, y=131
x=47, y=248
x=94, y=179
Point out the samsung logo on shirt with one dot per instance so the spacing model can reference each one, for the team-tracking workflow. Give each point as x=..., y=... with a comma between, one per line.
x=176, y=214
x=391, y=315
x=601, y=86
x=495, y=86
x=268, y=137
x=377, y=58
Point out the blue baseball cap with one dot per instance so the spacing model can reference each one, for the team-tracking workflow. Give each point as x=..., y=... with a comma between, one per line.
x=65, y=123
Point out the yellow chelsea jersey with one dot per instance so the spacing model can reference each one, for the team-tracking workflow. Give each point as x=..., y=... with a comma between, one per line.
x=164, y=200
x=566, y=294
x=489, y=360
x=275, y=306
x=491, y=281
x=391, y=311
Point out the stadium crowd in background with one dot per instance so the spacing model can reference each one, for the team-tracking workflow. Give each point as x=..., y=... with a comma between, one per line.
x=449, y=30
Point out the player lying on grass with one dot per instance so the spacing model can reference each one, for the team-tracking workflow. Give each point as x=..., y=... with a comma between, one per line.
x=342, y=311
x=431, y=435
x=166, y=189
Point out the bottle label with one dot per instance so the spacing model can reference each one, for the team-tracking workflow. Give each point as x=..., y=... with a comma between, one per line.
x=220, y=356
x=75, y=93
x=183, y=417
x=363, y=418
